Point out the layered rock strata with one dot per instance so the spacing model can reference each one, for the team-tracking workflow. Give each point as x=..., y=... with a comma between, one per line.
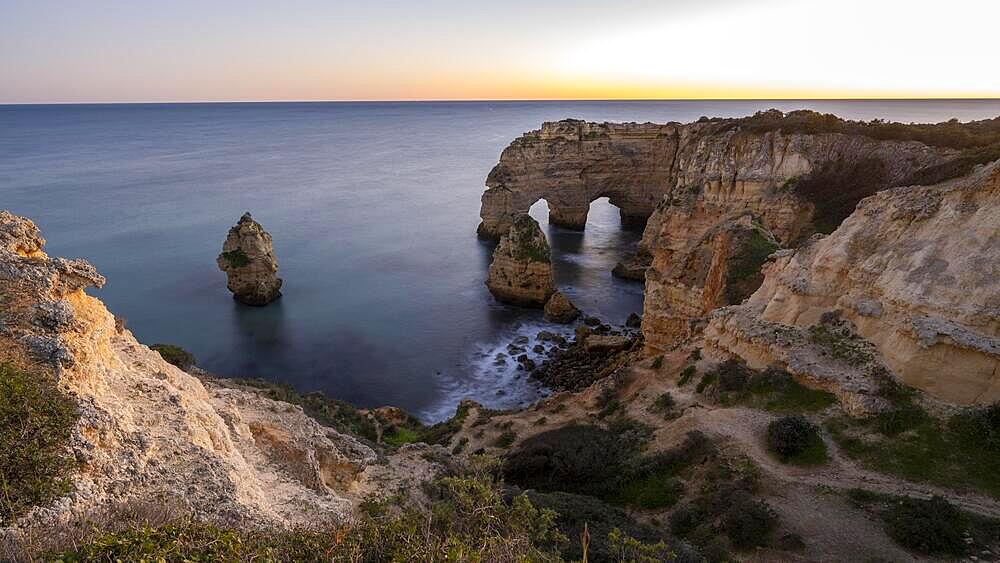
x=642, y=167
x=248, y=260
x=722, y=267
x=149, y=432
x=521, y=271
x=916, y=270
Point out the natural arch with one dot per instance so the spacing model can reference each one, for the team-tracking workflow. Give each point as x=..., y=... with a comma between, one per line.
x=570, y=164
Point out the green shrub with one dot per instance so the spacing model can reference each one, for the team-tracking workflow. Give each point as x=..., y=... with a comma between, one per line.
x=663, y=403
x=732, y=376
x=952, y=133
x=686, y=375
x=707, y=380
x=334, y=413
x=776, y=390
x=573, y=511
x=506, y=439
x=605, y=464
x=840, y=343
x=401, y=435
x=725, y=508
x=236, y=258
x=933, y=527
x=749, y=523
x=175, y=355
x=572, y=459
x=37, y=420
x=468, y=519
x=796, y=440
x=978, y=427
x=657, y=362
x=744, y=275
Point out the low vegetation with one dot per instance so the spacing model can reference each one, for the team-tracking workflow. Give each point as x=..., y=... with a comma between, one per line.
x=929, y=526
x=837, y=339
x=795, y=440
x=175, y=355
x=952, y=134
x=744, y=276
x=606, y=464
x=236, y=258
x=724, y=515
x=463, y=517
x=774, y=390
x=956, y=452
x=37, y=420
x=340, y=415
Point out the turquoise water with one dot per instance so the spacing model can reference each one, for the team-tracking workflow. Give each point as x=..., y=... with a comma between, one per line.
x=373, y=208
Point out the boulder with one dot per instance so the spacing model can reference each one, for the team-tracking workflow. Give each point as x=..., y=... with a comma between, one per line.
x=248, y=260
x=559, y=309
x=521, y=271
x=606, y=344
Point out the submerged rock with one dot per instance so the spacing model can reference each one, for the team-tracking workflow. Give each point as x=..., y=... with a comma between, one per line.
x=521, y=272
x=248, y=260
x=559, y=309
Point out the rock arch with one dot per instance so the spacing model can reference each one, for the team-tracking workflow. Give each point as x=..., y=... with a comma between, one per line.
x=572, y=163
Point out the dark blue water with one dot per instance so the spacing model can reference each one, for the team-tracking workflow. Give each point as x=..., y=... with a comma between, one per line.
x=373, y=209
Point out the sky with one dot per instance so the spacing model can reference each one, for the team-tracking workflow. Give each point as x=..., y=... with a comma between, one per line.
x=60, y=51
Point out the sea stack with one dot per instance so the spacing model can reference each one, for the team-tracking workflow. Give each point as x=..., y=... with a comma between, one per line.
x=521, y=272
x=248, y=260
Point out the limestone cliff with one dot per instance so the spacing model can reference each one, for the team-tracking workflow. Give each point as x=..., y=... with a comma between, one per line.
x=521, y=271
x=248, y=260
x=722, y=267
x=915, y=270
x=151, y=432
x=642, y=168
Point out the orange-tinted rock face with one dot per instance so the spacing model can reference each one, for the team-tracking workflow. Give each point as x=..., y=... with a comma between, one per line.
x=914, y=269
x=521, y=271
x=693, y=277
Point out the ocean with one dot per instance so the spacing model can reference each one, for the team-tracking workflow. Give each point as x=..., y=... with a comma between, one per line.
x=373, y=208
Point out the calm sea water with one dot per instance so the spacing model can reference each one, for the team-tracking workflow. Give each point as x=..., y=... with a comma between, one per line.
x=373, y=208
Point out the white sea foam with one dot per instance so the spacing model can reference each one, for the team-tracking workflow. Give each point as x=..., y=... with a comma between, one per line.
x=494, y=379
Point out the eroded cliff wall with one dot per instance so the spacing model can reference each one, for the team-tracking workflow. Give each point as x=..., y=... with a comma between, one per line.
x=642, y=167
x=916, y=270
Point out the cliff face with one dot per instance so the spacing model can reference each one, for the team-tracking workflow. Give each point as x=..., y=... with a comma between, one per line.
x=151, y=432
x=521, y=271
x=248, y=260
x=915, y=270
x=571, y=163
x=720, y=268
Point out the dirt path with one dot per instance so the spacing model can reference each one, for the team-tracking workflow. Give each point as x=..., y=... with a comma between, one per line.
x=747, y=427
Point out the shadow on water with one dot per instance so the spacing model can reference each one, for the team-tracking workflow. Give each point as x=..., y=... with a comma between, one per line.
x=261, y=339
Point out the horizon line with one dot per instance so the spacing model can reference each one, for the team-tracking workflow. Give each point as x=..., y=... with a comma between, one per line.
x=515, y=100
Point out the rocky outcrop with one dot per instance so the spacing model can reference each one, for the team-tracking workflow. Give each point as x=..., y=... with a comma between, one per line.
x=248, y=260
x=150, y=432
x=914, y=270
x=521, y=271
x=644, y=167
x=559, y=309
x=722, y=267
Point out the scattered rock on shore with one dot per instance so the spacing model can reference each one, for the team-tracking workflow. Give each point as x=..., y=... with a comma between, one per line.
x=559, y=309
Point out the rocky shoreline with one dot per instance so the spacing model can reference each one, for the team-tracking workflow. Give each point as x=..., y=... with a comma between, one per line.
x=781, y=383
